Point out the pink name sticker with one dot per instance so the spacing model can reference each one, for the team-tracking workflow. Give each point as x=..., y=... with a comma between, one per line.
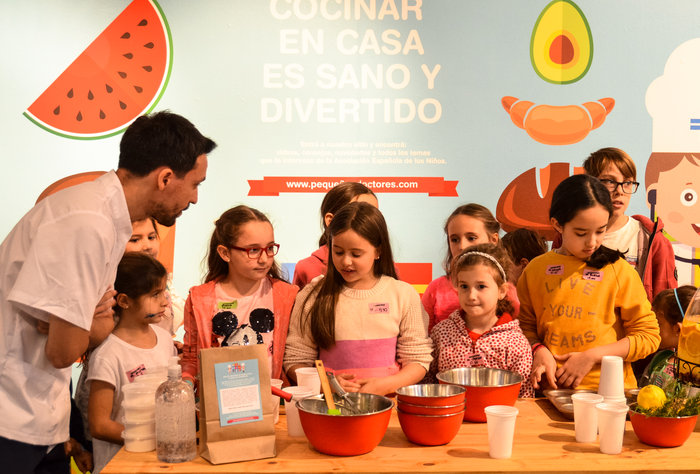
x=379, y=308
x=554, y=270
x=133, y=373
x=592, y=275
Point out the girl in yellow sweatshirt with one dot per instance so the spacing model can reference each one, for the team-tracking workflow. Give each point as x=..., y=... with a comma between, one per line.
x=583, y=301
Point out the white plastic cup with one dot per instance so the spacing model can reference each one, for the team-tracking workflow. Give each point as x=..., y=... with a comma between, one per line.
x=308, y=377
x=612, y=378
x=141, y=394
x=586, y=416
x=278, y=384
x=293, y=422
x=140, y=429
x=611, y=426
x=500, y=421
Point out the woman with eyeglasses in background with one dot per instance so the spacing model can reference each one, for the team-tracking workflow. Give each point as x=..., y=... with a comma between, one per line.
x=640, y=238
x=244, y=299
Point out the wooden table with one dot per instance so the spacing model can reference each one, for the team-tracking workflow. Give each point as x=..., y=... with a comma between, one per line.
x=544, y=442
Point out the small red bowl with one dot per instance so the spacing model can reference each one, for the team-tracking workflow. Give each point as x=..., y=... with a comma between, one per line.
x=427, y=409
x=431, y=394
x=664, y=432
x=484, y=386
x=430, y=430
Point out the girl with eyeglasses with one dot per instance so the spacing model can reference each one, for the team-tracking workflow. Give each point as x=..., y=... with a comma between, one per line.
x=638, y=237
x=244, y=299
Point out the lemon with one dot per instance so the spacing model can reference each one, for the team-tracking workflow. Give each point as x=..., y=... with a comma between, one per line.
x=651, y=396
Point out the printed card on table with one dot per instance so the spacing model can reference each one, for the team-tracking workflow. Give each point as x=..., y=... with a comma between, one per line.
x=238, y=389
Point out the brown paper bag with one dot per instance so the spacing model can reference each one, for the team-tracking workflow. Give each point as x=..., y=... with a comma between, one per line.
x=226, y=396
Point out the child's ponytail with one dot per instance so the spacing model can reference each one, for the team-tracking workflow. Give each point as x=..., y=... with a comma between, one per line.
x=602, y=256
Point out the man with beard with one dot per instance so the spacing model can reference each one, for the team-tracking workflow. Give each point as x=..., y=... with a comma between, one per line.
x=57, y=268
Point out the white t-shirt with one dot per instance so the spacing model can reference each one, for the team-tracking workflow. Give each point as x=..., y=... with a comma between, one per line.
x=625, y=239
x=58, y=260
x=118, y=363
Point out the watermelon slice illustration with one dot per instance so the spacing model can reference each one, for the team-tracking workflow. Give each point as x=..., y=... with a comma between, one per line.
x=120, y=76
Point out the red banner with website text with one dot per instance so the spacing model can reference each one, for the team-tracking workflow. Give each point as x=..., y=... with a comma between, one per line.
x=274, y=185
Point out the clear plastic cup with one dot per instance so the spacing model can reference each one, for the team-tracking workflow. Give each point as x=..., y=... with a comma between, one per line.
x=293, y=422
x=278, y=384
x=611, y=426
x=500, y=421
x=586, y=416
x=308, y=377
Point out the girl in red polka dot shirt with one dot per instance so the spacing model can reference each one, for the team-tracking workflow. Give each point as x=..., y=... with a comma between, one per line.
x=482, y=332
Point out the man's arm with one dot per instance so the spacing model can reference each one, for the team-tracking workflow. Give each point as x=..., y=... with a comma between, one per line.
x=66, y=342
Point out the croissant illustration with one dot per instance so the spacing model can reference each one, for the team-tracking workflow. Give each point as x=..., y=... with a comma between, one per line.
x=557, y=124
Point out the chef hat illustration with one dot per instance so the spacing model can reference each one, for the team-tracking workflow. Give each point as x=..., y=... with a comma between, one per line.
x=673, y=101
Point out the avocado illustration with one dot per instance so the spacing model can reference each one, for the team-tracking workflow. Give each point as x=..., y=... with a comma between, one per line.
x=561, y=46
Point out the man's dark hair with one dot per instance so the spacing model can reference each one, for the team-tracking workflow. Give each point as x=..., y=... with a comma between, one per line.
x=162, y=139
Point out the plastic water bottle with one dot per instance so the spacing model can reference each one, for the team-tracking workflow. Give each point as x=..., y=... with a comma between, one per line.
x=176, y=437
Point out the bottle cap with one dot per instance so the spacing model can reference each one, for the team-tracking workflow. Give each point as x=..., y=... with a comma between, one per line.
x=175, y=371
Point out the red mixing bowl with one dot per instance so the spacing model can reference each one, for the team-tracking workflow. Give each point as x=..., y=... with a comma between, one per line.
x=429, y=410
x=664, y=432
x=430, y=430
x=484, y=386
x=347, y=434
x=431, y=394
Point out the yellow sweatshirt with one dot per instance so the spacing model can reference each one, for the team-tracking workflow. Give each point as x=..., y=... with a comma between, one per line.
x=570, y=307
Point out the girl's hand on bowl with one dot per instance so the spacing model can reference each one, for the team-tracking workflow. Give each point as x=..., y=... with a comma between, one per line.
x=349, y=382
x=543, y=363
x=575, y=367
x=376, y=385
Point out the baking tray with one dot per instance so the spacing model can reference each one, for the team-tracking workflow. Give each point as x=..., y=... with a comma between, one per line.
x=561, y=399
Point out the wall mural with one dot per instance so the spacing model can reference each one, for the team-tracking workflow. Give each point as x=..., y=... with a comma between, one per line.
x=561, y=52
x=672, y=177
x=122, y=74
x=401, y=96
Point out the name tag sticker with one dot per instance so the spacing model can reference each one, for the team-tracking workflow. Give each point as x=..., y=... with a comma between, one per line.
x=133, y=373
x=379, y=308
x=592, y=275
x=554, y=270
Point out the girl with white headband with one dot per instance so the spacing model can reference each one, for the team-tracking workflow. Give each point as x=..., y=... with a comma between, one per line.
x=482, y=332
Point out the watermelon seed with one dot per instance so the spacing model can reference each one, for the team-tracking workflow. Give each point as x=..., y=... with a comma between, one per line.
x=79, y=117
x=148, y=68
x=143, y=22
x=139, y=89
x=102, y=114
x=128, y=55
x=109, y=88
x=70, y=94
x=149, y=45
x=122, y=74
x=126, y=35
x=90, y=95
x=57, y=110
x=122, y=105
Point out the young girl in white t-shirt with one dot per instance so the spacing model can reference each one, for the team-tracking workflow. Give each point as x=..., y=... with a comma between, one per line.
x=135, y=345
